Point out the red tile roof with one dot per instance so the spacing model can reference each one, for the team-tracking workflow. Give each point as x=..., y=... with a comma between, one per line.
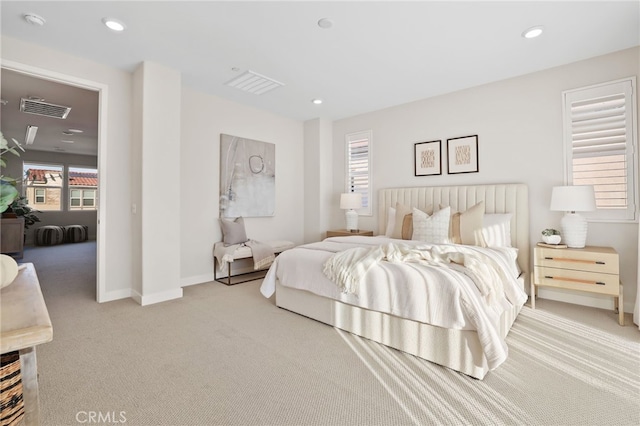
x=43, y=176
x=83, y=179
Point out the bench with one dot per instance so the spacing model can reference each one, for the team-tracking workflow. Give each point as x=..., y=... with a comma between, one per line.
x=244, y=252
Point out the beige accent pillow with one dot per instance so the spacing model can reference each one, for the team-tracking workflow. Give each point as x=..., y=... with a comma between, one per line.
x=401, y=211
x=466, y=227
x=233, y=231
x=407, y=227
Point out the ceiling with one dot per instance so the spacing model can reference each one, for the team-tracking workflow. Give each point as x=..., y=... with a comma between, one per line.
x=376, y=54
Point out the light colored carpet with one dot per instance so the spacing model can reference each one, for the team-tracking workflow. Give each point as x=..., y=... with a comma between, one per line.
x=227, y=356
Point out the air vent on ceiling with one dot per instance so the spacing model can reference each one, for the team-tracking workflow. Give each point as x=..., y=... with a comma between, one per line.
x=255, y=83
x=43, y=108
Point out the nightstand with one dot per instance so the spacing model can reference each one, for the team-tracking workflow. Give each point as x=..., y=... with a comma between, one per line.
x=346, y=233
x=590, y=269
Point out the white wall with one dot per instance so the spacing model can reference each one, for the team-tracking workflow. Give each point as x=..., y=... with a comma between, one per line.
x=204, y=118
x=519, y=123
x=318, y=190
x=158, y=91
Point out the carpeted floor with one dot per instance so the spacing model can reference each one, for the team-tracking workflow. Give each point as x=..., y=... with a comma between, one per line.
x=227, y=356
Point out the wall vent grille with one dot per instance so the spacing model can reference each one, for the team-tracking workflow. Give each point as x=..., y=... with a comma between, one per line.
x=43, y=108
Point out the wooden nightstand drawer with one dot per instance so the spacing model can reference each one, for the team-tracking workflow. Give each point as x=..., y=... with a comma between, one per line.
x=601, y=261
x=592, y=282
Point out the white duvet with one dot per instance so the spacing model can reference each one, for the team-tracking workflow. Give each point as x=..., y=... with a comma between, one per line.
x=411, y=279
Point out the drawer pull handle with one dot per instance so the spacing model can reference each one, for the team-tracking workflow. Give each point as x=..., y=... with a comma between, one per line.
x=549, y=277
x=566, y=259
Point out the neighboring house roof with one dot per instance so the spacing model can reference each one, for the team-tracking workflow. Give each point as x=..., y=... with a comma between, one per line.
x=83, y=179
x=54, y=177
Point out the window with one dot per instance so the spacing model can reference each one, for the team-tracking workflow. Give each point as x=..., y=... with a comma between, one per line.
x=83, y=188
x=39, y=197
x=43, y=185
x=600, y=146
x=358, y=174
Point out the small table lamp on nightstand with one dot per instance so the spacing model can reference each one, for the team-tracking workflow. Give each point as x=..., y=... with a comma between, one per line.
x=572, y=199
x=350, y=202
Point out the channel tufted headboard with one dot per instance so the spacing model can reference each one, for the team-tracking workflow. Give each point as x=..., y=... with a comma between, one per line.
x=498, y=198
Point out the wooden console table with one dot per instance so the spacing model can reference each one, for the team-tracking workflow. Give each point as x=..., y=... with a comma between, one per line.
x=24, y=324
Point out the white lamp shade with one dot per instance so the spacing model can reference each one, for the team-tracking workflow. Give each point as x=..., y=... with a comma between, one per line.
x=351, y=200
x=577, y=198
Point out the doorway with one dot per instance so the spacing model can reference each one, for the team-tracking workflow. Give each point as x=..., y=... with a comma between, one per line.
x=100, y=136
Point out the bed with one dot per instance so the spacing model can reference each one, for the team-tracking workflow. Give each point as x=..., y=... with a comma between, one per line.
x=465, y=348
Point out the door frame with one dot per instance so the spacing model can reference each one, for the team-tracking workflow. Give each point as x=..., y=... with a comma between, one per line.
x=102, y=89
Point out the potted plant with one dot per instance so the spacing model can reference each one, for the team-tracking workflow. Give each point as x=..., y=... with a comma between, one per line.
x=8, y=191
x=551, y=236
x=20, y=208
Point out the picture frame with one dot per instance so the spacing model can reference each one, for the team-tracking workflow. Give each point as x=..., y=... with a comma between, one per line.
x=427, y=158
x=462, y=154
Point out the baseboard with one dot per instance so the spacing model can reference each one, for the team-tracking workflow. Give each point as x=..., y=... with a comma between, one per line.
x=198, y=279
x=116, y=295
x=150, y=299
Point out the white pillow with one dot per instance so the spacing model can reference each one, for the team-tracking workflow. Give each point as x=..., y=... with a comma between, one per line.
x=432, y=229
x=496, y=229
x=391, y=222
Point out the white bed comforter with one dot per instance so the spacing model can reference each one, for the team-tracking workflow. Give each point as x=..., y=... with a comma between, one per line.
x=416, y=282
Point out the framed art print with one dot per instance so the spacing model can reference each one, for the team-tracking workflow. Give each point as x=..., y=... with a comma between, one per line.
x=427, y=158
x=462, y=154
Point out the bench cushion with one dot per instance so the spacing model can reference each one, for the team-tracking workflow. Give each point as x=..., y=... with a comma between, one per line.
x=277, y=245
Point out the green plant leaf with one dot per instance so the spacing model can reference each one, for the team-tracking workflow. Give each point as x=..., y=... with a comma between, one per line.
x=8, y=194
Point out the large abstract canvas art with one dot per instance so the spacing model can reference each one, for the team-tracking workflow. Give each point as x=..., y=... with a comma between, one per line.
x=247, y=177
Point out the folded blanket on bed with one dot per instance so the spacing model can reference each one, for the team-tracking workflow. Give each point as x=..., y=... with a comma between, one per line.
x=262, y=254
x=348, y=268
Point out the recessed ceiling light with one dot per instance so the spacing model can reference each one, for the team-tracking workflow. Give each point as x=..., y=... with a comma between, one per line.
x=325, y=23
x=75, y=131
x=532, y=32
x=317, y=101
x=113, y=24
x=34, y=19
x=66, y=141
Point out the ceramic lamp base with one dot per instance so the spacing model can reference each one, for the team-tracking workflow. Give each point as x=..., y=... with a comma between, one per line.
x=352, y=219
x=574, y=230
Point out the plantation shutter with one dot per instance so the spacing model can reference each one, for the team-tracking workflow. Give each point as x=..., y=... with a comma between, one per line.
x=599, y=131
x=359, y=167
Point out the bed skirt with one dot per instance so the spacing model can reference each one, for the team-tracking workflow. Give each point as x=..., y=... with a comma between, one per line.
x=459, y=350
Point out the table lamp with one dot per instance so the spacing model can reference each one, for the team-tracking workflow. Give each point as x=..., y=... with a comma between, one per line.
x=351, y=201
x=572, y=199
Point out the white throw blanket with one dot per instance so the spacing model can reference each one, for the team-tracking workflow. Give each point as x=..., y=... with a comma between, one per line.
x=262, y=254
x=348, y=268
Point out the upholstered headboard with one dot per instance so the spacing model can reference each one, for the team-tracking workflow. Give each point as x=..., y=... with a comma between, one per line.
x=498, y=198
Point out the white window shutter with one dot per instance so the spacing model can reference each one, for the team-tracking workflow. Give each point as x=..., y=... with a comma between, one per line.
x=358, y=173
x=600, y=141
